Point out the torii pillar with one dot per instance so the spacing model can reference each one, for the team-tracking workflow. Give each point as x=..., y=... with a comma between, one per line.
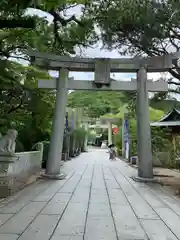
x=56, y=143
x=145, y=166
x=109, y=132
x=85, y=123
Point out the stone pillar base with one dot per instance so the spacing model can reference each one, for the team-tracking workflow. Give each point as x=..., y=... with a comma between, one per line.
x=60, y=176
x=144, y=180
x=7, y=187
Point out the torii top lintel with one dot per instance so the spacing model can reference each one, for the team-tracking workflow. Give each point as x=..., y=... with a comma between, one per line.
x=55, y=62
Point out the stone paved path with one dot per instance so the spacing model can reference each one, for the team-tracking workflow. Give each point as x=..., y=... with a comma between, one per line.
x=98, y=201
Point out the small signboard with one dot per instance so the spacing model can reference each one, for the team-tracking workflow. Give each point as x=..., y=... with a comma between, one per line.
x=115, y=130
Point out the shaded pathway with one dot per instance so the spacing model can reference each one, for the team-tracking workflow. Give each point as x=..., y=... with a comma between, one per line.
x=98, y=200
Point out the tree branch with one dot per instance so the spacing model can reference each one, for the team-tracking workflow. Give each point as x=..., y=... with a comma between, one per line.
x=19, y=57
x=64, y=22
x=14, y=23
x=174, y=74
x=15, y=108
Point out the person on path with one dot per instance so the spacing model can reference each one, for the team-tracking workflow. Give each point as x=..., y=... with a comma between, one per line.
x=112, y=152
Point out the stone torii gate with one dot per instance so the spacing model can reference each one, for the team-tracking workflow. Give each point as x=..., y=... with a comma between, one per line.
x=109, y=121
x=102, y=81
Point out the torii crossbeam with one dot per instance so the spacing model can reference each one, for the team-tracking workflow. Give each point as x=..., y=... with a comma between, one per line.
x=153, y=86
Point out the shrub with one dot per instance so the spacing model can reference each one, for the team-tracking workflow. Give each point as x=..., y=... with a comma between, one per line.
x=80, y=134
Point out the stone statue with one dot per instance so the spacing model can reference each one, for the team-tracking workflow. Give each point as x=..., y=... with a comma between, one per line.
x=8, y=142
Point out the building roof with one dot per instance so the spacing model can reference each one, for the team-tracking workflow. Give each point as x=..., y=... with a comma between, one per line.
x=172, y=119
x=165, y=124
x=173, y=115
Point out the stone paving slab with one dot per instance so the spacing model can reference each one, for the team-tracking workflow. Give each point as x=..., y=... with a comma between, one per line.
x=4, y=218
x=98, y=200
x=100, y=228
x=41, y=228
x=9, y=236
x=18, y=223
x=156, y=229
x=56, y=237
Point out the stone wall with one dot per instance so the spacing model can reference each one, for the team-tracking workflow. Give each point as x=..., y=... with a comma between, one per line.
x=16, y=170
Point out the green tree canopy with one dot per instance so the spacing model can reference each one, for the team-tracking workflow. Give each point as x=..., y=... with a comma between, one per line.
x=96, y=103
x=22, y=105
x=139, y=27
